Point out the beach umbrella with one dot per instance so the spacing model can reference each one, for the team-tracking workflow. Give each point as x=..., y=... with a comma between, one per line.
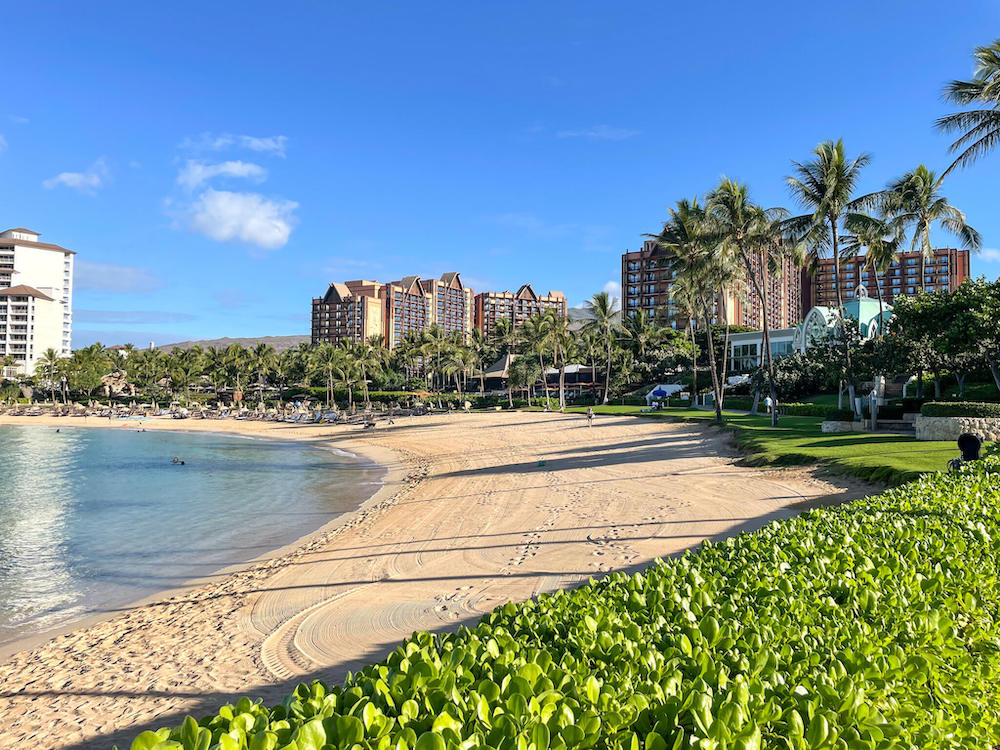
x=659, y=393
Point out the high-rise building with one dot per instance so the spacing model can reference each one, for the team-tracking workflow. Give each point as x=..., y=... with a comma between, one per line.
x=351, y=311
x=356, y=310
x=43, y=274
x=516, y=306
x=947, y=269
x=646, y=282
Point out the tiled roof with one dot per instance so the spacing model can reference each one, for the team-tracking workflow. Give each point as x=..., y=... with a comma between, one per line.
x=23, y=290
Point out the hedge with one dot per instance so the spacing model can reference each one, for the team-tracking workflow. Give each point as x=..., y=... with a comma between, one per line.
x=793, y=409
x=960, y=409
x=870, y=625
x=839, y=415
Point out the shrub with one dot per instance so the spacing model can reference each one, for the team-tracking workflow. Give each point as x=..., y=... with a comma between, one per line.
x=912, y=405
x=870, y=625
x=960, y=409
x=840, y=415
x=805, y=410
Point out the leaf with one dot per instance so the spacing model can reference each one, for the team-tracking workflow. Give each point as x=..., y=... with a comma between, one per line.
x=149, y=740
x=430, y=741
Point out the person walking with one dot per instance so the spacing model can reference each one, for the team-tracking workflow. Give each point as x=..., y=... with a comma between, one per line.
x=590, y=416
x=768, y=404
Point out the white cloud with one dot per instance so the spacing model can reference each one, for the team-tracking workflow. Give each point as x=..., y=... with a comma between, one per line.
x=87, y=182
x=990, y=255
x=110, y=277
x=247, y=217
x=18, y=119
x=3, y=143
x=194, y=173
x=274, y=144
x=613, y=288
x=599, y=133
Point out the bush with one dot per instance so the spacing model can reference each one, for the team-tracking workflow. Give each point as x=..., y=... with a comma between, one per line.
x=869, y=625
x=960, y=409
x=804, y=410
x=840, y=415
x=912, y=405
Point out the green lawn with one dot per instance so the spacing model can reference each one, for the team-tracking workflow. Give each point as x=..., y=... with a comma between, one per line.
x=893, y=459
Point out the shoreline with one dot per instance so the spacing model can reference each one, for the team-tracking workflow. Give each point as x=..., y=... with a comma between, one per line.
x=365, y=454
x=476, y=510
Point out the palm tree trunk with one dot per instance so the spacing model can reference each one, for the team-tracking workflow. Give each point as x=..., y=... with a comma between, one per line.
x=716, y=390
x=694, y=362
x=562, y=386
x=607, y=372
x=545, y=380
x=840, y=312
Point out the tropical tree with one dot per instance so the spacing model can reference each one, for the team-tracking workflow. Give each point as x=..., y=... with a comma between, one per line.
x=49, y=364
x=261, y=361
x=480, y=347
x=370, y=357
x=881, y=240
x=506, y=335
x=605, y=321
x=979, y=127
x=826, y=184
x=915, y=201
x=535, y=341
x=326, y=360
x=216, y=368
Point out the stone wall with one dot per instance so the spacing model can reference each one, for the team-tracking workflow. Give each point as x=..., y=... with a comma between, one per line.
x=838, y=426
x=949, y=428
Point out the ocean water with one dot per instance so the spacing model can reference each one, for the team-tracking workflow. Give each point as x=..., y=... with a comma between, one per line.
x=94, y=519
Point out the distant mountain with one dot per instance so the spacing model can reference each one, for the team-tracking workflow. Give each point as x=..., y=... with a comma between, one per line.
x=280, y=343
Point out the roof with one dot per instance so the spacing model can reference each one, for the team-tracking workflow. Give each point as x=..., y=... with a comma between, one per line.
x=499, y=368
x=526, y=292
x=8, y=241
x=452, y=279
x=337, y=293
x=22, y=229
x=23, y=290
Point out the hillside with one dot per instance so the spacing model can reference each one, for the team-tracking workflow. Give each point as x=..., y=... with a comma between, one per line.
x=280, y=343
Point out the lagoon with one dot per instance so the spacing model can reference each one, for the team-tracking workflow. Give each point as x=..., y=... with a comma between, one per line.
x=93, y=519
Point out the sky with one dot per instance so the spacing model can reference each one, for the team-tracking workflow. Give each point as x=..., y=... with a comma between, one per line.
x=217, y=165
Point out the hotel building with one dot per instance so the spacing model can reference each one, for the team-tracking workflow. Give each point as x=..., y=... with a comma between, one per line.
x=351, y=311
x=944, y=272
x=36, y=309
x=646, y=284
x=515, y=306
x=355, y=310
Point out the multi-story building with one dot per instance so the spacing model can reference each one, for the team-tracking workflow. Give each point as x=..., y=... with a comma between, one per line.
x=517, y=306
x=646, y=282
x=351, y=311
x=30, y=324
x=48, y=270
x=408, y=307
x=947, y=269
x=451, y=303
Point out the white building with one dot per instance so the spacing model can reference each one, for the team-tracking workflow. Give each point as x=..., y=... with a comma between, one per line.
x=40, y=315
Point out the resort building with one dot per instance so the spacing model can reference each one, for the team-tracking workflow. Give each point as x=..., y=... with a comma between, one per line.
x=945, y=271
x=515, y=306
x=30, y=323
x=351, y=312
x=646, y=291
x=355, y=310
x=45, y=272
x=819, y=324
x=451, y=303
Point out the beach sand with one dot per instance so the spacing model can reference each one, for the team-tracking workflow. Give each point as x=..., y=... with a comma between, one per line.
x=476, y=510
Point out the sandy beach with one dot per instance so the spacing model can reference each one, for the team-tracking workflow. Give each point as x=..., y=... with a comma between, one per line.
x=475, y=510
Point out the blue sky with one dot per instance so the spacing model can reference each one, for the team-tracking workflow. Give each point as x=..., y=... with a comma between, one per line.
x=216, y=165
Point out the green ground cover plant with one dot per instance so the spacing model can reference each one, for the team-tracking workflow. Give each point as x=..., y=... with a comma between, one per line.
x=960, y=409
x=868, y=626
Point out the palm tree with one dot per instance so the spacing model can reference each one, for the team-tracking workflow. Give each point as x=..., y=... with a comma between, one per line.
x=826, y=184
x=185, y=368
x=915, y=201
x=559, y=340
x=505, y=333
x=370, y=356
x=881, y=240
x=605, y=319
x=326, y=359
x=261, y=360
x=347, y=372
x=754, y=236
x=49, y=363
x=980, y=128
x=642, y=331
x=535, y=340
x=217, y=368
x=236, y=361
x=480, y=347
x=284, y=364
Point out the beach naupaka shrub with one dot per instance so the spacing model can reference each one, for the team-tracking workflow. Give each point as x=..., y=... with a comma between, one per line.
x=867, y=626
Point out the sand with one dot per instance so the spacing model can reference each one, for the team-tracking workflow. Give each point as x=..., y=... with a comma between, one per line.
x=476, y=510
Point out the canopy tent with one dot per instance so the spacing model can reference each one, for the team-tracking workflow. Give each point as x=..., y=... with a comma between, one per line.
x=660, y=392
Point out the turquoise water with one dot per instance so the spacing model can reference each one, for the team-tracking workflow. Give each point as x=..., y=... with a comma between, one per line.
x=94, y=519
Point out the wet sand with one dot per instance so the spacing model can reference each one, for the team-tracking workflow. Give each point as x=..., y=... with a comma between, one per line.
x=476, y=510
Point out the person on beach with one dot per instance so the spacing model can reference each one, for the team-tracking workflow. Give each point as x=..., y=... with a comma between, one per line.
x=590, y=416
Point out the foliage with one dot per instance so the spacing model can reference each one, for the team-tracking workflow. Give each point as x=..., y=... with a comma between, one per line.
x=869, y=625
x=960, y=409
x=840, y=415
x=980, y=126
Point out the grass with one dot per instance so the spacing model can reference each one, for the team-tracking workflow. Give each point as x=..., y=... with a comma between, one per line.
x=893, y=459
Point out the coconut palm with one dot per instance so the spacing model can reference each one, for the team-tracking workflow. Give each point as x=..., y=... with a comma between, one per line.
x=479, y=345
x=216, y=367
x=826, y=184
x=881, y=240
x=642, y=333
x=49, y=364
x=370, y=357
x=605, y=321
x=979, y=128
x=506, y=335
x=915, y=201
x=236, y=362
x=535, y=342
x=325, y=359
x=261, y=361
